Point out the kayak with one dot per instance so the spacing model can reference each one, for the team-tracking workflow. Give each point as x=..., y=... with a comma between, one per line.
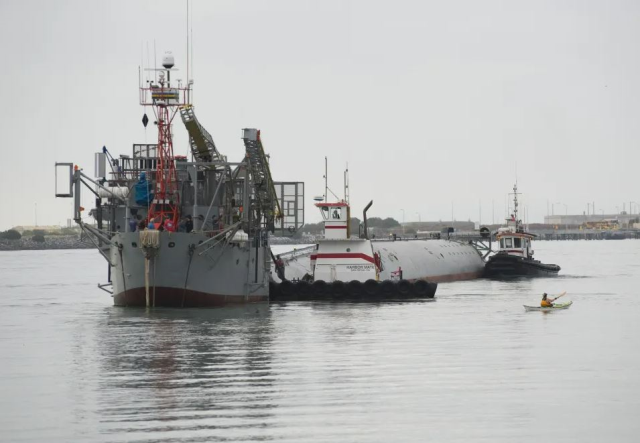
x=555, y=307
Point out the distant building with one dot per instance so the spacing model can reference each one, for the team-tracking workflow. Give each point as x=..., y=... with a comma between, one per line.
x=623, y=219
x=51, y=229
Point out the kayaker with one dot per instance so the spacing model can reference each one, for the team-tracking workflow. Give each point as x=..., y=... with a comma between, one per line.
x=544, y=303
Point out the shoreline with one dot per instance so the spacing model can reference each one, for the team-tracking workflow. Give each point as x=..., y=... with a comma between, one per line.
x=50, y=243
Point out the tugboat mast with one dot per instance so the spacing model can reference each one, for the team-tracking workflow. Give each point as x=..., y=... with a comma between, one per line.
x=515, y=207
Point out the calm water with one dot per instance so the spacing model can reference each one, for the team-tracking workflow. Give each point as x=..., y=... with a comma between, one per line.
x=471, y=366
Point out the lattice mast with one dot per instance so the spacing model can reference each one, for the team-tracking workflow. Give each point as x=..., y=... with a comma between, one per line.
x=165, y=100
x=515, y=208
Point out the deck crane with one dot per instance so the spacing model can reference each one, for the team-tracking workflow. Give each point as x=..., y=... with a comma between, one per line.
x=264, y=204
x=266, y=199
x=202, y=146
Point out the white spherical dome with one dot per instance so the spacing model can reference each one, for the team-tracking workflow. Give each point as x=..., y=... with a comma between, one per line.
x=167, y=60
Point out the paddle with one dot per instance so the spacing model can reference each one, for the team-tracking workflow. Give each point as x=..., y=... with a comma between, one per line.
x=564, y=293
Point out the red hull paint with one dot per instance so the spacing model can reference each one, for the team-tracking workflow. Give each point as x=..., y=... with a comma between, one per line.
x=346, y=255
x=178, y=298
x=335, y=227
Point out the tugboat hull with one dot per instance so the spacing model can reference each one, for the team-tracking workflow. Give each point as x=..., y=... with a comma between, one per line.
x=504, y=265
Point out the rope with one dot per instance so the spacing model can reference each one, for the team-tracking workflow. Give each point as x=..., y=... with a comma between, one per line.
x=154, y=281
x=146, y=279
x=124, y=283
x=192, y=248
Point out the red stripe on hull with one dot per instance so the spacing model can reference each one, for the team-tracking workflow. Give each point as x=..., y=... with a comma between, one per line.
x=347, y=255
x=335, y=227
x=173, y=298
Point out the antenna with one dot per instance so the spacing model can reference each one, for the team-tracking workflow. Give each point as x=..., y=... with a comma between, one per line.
x=515, y=204
x=155, y=62
x=191, y=55
x=325, y=179
x=148, y=62
x=187, y=42
x=346, y=184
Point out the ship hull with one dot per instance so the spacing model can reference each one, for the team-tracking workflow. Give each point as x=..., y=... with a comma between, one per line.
x=436, y=261
x=504, y=265
x=181, y=272
x=181, y=298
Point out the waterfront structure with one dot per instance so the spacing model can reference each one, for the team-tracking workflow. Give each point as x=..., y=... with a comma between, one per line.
x=606, y=221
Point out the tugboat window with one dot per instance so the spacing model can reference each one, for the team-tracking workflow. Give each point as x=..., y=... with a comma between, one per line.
x=508, y=242
x=517, y=242
x=502, y=243
x=325, y=212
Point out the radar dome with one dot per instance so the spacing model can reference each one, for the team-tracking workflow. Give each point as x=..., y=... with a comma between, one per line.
x=167, y=60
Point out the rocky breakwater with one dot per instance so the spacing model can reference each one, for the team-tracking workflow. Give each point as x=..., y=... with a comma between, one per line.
x=50, y=242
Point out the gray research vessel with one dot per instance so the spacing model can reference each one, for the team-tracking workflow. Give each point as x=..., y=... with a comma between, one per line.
x=183, y=233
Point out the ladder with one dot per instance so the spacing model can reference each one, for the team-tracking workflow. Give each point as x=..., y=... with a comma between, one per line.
x=265, y=191
x=202, y=146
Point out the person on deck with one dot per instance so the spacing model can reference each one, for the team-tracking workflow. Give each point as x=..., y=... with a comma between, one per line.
x=545, y=303
x=169, y=225
x=280, y=268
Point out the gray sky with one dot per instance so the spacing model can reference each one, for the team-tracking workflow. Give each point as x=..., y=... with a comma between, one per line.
x=431, y=103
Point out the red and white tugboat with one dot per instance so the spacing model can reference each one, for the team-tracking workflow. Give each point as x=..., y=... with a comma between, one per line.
x=515, y=255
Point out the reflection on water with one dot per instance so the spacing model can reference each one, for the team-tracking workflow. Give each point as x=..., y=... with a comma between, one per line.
x=176, y=372
x=471, y=366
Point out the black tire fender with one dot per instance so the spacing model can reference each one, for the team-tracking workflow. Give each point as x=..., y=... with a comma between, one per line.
x=302, y=290
x=404, y=288
x=371, y=288
x=421, y=289
x=388, y=289
x=338, y=289
x=286, y=288
x=319, y=289
x=354, y=289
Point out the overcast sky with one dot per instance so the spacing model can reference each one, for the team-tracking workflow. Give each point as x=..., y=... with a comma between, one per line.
x=433, y=104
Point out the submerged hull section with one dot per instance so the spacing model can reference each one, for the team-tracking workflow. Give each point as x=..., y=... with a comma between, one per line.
x=505, y=265
x=180, y=272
